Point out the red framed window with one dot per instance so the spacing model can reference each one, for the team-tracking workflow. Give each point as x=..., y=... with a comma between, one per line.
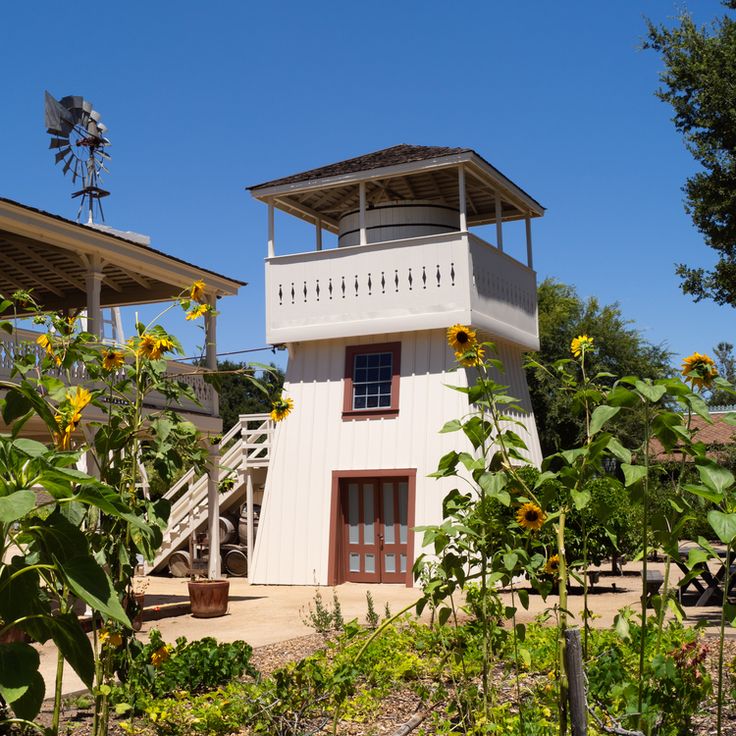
x=372, y=381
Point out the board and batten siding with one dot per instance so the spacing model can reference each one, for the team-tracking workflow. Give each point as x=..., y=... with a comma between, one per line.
x=293, y=543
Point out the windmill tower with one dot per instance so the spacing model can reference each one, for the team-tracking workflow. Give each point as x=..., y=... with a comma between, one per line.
x=365, y=325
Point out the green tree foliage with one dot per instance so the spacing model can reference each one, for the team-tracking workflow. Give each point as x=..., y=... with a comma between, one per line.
x=619, y=350
x=726, y=364
x=699, y=82
x=239, y=395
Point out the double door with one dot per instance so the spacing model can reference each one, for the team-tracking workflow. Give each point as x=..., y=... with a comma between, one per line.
x=375, y=529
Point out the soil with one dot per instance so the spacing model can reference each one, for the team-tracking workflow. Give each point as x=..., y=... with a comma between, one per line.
x=396, y=709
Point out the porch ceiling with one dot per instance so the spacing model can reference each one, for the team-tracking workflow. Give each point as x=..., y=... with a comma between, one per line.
x=51, y=257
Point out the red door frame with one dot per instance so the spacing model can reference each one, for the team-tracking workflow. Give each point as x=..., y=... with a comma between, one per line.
x=335, y=562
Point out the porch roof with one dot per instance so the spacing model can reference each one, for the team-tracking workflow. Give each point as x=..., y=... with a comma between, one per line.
x=51, y=256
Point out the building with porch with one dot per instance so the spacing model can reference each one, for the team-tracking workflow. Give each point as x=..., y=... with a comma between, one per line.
x=365, y=326
x=73, y=267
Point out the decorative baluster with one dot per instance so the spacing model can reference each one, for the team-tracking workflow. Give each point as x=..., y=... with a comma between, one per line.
x=317, y=289
x=329, y=287
x=396, y=278
x=424, y=278
x=342, y=286
x=356, y=284
x=411, y=281
x=305, y=291
x=439, y=276
x=281, y=295
x=383, y=283
x=452, y=272
x=370, y=284
x=293, y=293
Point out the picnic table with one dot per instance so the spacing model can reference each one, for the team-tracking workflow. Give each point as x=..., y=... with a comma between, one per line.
x=707, y=584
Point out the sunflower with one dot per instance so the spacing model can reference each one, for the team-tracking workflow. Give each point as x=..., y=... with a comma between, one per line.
x=112, y=359
x=196, y=291
x=699, y=370
x=111, y=639
x=530, y=516
x=281, y=408
x=471, y=358
x=461, y=338
x=45, y=342
x=197, y=311
x=160, y=656
x=78, y=399
x=580, y=344
x=552, y=566
x=154, y=347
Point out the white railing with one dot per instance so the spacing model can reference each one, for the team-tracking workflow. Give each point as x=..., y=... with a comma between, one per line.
x=246, y=445
x=23, y=343
x=417, y=283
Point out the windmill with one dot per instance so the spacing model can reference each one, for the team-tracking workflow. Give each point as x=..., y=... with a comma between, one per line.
x=78, y=137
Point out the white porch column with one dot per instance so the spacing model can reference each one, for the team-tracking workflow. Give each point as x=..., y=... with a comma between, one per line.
x=249, y=516
x=499, y=223
x=363, y=230
x=529, y=260
x=93, y=284
x=271, y=247
x=318, y=226
x=213, y=453
x=461, y=198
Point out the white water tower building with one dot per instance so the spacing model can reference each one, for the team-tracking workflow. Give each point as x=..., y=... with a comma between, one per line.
x=365, y=326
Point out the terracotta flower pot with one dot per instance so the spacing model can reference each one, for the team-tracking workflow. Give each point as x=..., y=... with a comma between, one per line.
x=209, y=598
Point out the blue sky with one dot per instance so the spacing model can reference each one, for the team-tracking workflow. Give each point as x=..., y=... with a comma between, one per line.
x=202, y=100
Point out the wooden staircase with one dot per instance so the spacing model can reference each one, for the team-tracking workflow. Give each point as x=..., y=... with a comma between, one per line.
x=246, y=446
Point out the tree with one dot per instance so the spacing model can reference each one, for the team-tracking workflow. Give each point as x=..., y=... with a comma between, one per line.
x=238, y=394
x=699, y=82
x=726, y=364
x=619, y=349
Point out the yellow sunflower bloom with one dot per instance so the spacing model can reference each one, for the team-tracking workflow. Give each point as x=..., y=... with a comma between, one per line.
x=552, y=566
x=281, y=408
x=111, y=639
x=461, y=338
x=530, y=517
x=196, y=291
x=112, y=359
x=78, y=399
x=45, y=342
x=580, y=344
x=153, y=347
x=471, y=358
x=197, y=311
x=699, y=370
x=160, y=656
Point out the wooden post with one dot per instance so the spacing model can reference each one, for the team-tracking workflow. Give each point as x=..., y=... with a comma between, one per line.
x=249, y=508
x=499, y=222
x=363, y=229
x=93, y=283
x=318, y=226
x=213, y=452
x=271, y=247
x=461, y=199
x=529, y=260
x=576, y=683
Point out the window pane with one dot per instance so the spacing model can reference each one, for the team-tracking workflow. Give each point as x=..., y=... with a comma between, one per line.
x=403, y=511
x=385, y=373
x=354, y=562
x=402, y=563
x=374, y=360
x=372, y=373
x=359, y=403
x=389, y=563
x=372, y=402
x=360, y=361
x=389, y=533
x=370, y=563
x=353, y=514
x=368, y=525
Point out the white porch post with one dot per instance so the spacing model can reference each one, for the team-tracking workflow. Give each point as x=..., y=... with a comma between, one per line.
x=93, y=284
x=213, y=454
x=529, y=260
x=363, y=230
x=249, y=516
x=461, y=198
x=499, y=223
x=318, y=226
x=271, y=247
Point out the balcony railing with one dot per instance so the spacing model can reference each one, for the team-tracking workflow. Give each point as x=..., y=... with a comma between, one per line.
x=23, y=342
x=418, y=283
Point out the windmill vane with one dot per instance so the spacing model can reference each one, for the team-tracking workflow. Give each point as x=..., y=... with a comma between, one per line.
x=77, y=136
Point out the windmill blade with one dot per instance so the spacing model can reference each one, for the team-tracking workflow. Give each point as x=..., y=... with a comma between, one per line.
x=72, y=102
x=58, y=142
x=67, y=165
x=62, y=154
x=104, y=154
x=55, y=115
